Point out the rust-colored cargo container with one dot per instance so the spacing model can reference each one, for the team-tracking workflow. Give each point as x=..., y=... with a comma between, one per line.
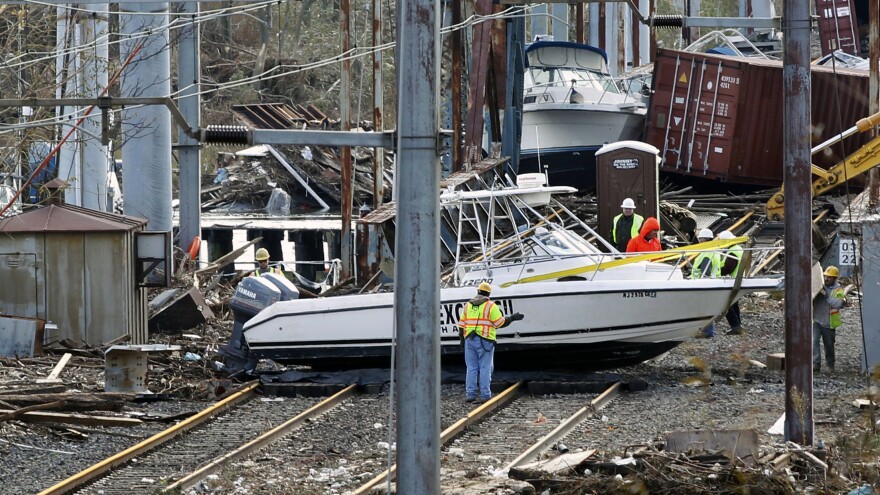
x=837, y=26
x=720, y=117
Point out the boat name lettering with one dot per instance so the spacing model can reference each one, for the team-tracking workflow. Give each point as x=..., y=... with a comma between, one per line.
x=640, y=293
x=474, y=283
x=252, y=295
x=625, y=163
x=450, y=314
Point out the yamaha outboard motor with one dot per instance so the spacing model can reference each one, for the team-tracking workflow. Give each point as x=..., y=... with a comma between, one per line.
x=252, y=295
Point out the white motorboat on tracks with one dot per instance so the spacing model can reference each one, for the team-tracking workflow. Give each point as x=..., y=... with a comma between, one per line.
x=584, y=309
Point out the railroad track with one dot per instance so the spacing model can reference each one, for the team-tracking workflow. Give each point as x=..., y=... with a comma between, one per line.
x=199, y=445
x=521, y=428
x=348, y=446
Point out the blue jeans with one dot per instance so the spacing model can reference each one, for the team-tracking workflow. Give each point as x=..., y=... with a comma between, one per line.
x=823, y=335
x=478, y=356
x=709, y=331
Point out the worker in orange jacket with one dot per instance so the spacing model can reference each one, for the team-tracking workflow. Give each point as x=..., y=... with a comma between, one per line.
x=648, y=239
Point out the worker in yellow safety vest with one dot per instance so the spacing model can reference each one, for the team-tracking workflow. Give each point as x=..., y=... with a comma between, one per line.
x=826, y=317
x=707, y=264
x=730, y=266
x=626, y=225
x=479, y=320
x=262, y=257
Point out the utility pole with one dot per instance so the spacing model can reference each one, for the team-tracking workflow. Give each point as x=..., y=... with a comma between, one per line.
x=798, y=223
x=873, y=92
x=189, y=153
x=378, y=106
x=146, y=154
x=417, y=270
x=345, y=121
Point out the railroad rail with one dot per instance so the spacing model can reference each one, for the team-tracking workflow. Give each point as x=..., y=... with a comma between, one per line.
x=349, y=434
x=213, y=431
x=507, y=432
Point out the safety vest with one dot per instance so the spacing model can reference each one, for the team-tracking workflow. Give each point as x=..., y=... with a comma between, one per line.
x=714, y=265
x=483, y=319
x=834, y=318
x=737, y=252
x=272, y=269
x=634, y=231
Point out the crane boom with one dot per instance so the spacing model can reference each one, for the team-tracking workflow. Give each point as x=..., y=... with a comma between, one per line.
x=859, y=162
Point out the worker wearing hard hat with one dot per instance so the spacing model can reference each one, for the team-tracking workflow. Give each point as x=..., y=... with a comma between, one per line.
x=707, y=264
x=731, y=260
x=626, y=225
x=262, y=257
x=826, y=317
x=479, y=320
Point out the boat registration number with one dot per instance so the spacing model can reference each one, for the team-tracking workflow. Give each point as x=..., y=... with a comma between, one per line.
x=639, y=293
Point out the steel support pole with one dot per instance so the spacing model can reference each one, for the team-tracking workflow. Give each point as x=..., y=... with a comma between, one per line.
x=579, y=19
x=345, y=118
x=146, y=154
x=512, y=133
x=417, y=254
x=457, y=122
x=798, y=223
x=560, y=21
x=874, y=91
x=94, y=59
x=378, y=106
x=188, y=149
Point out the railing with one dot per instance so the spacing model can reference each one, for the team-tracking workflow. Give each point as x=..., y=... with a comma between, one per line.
x=514, y=268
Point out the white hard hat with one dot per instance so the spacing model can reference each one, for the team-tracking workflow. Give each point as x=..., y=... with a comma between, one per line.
x=628, y=203
x=705, y=234
x=726, y=234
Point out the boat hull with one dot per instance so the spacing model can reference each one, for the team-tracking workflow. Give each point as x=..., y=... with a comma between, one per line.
x=565, y=138
x=585, y=325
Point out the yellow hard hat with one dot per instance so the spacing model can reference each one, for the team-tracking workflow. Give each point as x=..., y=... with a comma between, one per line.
x=485, y=287
x=832, y=271
x=262, y=254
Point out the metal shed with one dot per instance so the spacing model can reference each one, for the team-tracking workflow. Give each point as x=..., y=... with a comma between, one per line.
x=75, y=267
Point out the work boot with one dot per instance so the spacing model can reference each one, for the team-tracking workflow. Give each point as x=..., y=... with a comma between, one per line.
x=470, y=399
x=736, y=331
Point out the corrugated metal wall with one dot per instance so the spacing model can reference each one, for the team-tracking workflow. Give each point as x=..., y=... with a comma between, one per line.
x=84, y=282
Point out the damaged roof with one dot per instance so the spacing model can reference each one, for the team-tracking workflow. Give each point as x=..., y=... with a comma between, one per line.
x=69, y=218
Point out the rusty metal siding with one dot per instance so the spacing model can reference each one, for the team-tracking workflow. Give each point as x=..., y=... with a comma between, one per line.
x=107, y=293
x=18, y=273
x=65, y=283
x=720, y=117
x=837, y=26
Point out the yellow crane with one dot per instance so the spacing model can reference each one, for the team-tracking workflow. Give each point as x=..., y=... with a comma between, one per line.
x=864, y=159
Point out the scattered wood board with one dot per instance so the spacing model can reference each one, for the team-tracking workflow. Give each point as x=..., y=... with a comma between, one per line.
x=776, y=361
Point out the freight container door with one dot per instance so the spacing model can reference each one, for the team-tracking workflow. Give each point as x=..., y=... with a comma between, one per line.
x=699, y=129
x=837, y=26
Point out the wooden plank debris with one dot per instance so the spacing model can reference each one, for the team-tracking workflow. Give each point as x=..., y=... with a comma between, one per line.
x=101, y=401
x=736, y=444
x=565, y=463
x=53, y=376
x=864, y=403
x=74, y=419
x=776, y=361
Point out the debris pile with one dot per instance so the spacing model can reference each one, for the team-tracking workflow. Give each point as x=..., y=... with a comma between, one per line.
x=779, y=468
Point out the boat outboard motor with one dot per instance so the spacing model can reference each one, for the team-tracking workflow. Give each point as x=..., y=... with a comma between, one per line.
x=252, y=295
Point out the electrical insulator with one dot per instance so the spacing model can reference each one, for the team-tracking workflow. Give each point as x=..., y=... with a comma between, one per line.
x=226, y=135
x=667, y=21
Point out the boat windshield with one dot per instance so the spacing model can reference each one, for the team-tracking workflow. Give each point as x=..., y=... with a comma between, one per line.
x=582, y=78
